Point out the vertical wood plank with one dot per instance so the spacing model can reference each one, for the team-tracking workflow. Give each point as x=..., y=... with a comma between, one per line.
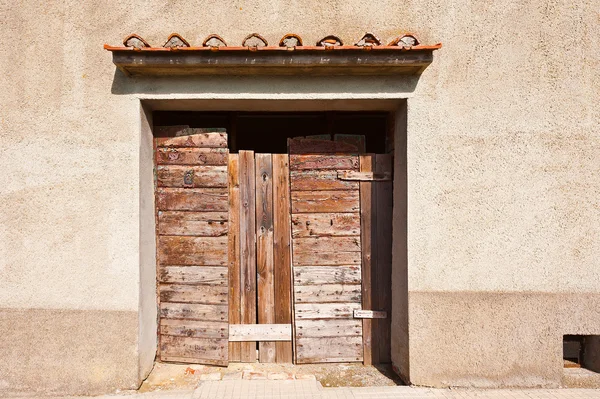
x=247, y=249
x=234, y=252
x=282, y=269
x=367, y=219
x=264, y=251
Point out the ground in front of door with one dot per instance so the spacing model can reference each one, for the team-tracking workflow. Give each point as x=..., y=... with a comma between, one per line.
x=170, y=376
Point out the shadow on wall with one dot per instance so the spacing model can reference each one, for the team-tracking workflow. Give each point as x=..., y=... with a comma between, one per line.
x=309, y=86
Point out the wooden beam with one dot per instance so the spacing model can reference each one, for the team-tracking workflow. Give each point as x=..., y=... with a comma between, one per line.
x=364, y=176
x=260, y=332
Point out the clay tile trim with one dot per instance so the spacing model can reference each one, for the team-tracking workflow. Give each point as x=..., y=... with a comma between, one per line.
x=407, y=40
x=175, y=40
x=290, y=40
x=368, y=39
x=330, y=41
x=135, y=41
x=214, y=40
x=254, y=40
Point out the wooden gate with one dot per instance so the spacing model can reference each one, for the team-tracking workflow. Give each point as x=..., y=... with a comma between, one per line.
x=246, y=241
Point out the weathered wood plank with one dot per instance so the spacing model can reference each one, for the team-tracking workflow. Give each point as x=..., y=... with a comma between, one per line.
x=192, y=199
x=370, y=314
x=205, y=140
x=328, y=161
x=327, y=293
x=359, y=141
x=282, y=265
x=191, y=156
x=260, y=332
x=318, y=180
x=201, y=224
x=194, y=328
x=193, y=294
x=193, y=311
x=367, y=215
x=317, y=275
x=328, y=328
x=325, y=201
x=330, y=244
x=193, y=350
x=330, y=258
x=325, y=224
x=350, y=175
x=210, y=275
x=247, y=249
x=233, y=236
x=264, y=251
x=192, y=251
x=326, y=310
x=325, y=350
x=315, y=146
x=191, y=176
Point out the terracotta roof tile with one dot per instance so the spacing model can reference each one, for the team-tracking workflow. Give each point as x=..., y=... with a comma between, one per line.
x=290, y=40
x=175, y=40
x=254, y=40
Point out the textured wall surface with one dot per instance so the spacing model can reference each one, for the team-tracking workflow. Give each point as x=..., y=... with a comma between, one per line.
x=502, y=175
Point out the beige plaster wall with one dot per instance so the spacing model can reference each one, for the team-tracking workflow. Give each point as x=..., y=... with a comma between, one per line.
x=502, y=170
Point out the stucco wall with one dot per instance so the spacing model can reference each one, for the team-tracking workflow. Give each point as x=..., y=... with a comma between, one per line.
x=502, y=170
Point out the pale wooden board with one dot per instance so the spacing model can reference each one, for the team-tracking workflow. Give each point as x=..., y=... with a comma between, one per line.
x=247, y=249
x=201, y=224
x=328, y=328
x=329, y=350
x=207, y=294
x=329, y=244
x=363, y=176
x=330, y=258
x=325, y=224
x=192, y=199
x=327, y=293
x=191, y=156
x=260, y=332
x=327, y=161
x=370, y=314
x=233, y=235
x=195, y=328
x=193, y=311
x=213, y=275
x=198, y=251
x=369, y=248
x=325, y=201
x=282, y=267
x=326, y=310
x=191, y=176
x=317, y=180
x=193, y=350
x=317, y=275
x=206, y=140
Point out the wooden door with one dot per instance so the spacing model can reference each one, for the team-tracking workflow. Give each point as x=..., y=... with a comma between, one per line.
x=192, y=244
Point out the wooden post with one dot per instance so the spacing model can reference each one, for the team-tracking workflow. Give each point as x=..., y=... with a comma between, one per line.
x=234, y=253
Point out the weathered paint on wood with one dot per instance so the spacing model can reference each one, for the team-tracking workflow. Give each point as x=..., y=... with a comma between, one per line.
x=325, y=224
x=205, y=140
x=325, y=201
x=328, y=328
x=370, y=314
x=233, y=236
x=192, y=251
x=207, y=294
x=317, y=180
x=194, y=350
x=260, y=332
x=368, y=220
x=194, y=328
x=191, y=156
x=201, y=224
x=317, y=275
x=193, y=311
x=326, y=310
x=213, y=275
x=327, y=293
x=363, y=176
x=323, y=350
x=192, y=199
x=330, y=258
x=335, y=162
x=191, y=176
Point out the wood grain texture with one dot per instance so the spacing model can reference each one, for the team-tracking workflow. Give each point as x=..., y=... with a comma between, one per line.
x=233, y=236
x=330, y=258
x=328, y=328
x=325, y=201
x=316, y=146
x=192, y=251
x=200, y=224
x=205, y=140
x=192, y=199
x=260, y=332
x=212, y=275
x=327, y=161
x=367, y=221
x=318, y=180
x=326, y=310
x=193, y=311
x=247, y=249
x=191, y=156
x=327, y=350
x=191, y=176
x=327, y=293
x=194, y=328
x=350, y=175
x=205, y=294
x=282, y=265
x=325, y=224
x=327, y=244
x=264, y=251
x=194, y=350
x=317, y=275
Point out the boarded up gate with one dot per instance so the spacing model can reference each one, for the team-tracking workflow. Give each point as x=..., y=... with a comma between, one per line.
x=246, y=241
